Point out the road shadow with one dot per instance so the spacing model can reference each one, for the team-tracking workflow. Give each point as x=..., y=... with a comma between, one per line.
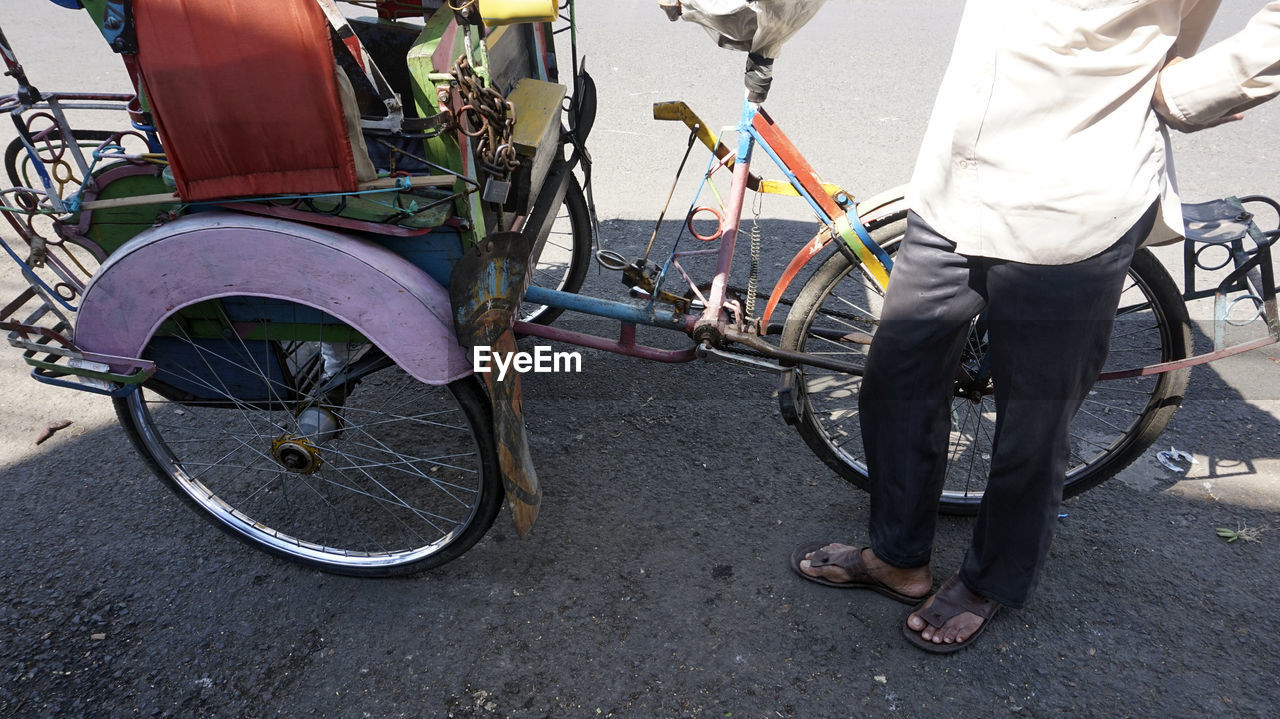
x=1228, y=424
x=655, y=584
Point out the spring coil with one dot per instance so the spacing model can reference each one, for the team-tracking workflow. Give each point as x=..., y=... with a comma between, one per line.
x=753, y=279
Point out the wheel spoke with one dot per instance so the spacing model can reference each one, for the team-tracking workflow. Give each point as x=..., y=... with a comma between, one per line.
x=565, y=256
x=399, y=478
x=838, y=298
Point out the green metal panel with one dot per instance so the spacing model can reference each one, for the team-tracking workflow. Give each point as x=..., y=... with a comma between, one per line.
x=442, y=150
x=112, y=227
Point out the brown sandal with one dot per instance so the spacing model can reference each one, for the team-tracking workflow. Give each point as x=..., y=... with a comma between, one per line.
x=951, y=600
x=850, y=560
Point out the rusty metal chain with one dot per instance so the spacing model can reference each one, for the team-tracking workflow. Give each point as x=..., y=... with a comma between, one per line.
x=488, y=118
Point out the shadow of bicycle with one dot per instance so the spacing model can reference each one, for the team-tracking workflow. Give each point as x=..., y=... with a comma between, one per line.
x=1229, y=424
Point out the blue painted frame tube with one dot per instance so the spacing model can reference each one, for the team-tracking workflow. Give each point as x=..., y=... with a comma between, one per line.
x=621, y=311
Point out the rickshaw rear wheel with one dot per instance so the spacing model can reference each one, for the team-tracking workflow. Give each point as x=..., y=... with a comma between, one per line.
x=299, y=438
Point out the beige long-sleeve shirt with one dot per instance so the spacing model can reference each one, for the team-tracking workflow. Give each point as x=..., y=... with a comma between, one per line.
x=1043, y=146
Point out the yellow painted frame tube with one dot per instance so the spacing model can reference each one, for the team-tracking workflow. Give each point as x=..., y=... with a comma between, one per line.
x=678, y=111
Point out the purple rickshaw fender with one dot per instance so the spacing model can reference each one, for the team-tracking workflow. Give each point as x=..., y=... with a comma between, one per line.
x=389, y=300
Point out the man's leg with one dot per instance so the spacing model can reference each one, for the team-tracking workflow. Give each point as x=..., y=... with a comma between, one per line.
x=1050, y=327
x=906, y=392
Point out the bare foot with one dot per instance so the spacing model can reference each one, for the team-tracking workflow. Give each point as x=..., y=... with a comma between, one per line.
x=914, y=582
x=959, y=616
x=957, y=629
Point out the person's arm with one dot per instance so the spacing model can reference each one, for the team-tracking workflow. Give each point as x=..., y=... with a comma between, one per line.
x=1216, y=85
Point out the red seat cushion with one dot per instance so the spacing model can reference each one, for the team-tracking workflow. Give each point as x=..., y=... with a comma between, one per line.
x=244, y=95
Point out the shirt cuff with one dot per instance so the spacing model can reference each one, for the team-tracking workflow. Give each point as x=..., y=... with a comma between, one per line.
x=1197, y=95
x=1229, y=77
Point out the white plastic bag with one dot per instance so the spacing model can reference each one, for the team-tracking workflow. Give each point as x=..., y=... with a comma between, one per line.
x=758, y=26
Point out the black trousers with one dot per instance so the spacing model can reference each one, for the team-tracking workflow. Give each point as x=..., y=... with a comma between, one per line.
x=1048, y=329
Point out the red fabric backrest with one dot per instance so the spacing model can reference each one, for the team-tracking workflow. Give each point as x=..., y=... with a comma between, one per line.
x=244, y=96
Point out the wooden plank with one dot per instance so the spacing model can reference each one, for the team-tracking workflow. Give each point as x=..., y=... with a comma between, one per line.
x=538, y=105
x=161, y=199
x=385, y=183
x=390, y=183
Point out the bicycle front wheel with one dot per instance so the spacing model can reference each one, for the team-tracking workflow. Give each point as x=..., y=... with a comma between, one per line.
x=289, y=430
x=836, y=314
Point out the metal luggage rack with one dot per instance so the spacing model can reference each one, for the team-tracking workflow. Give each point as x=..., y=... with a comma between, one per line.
x=47, y=164
x=1223, y=235
x=44, y=336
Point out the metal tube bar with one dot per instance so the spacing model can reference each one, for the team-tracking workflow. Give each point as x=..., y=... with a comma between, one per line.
x=621, y=311
x=733, y=215
x=759, y=345
x=624, y=346
x=1189, y=361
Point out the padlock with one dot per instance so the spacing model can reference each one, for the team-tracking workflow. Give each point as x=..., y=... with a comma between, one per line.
x=496, y=190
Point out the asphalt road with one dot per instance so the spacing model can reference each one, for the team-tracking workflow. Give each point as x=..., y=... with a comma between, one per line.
x=655, y=584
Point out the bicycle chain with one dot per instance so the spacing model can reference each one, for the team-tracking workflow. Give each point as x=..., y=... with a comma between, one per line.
x=488, y=118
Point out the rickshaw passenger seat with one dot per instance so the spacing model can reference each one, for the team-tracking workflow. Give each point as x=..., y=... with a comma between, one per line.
x=247, y=97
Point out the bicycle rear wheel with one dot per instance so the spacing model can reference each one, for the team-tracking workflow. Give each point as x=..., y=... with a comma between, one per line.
x=839, y=307
x=289, y=430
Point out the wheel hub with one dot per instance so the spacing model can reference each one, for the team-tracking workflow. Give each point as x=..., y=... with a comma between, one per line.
x=973, y=389
x=296, y=454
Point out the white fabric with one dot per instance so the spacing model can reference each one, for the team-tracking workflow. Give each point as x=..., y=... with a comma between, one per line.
x=1043, y=146
x=759, y=26
x=1231, y=76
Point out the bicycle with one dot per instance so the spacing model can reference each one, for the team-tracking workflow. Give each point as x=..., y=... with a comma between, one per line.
x=836, y=309
x=834, y=314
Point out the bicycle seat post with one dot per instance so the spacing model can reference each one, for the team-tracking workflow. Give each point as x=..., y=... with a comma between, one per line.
x=758, y=77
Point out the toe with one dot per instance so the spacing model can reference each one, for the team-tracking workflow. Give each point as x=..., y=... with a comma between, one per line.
x=916, y=623
x=825, y=571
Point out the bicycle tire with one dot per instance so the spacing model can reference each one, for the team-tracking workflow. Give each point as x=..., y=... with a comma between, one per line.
x=405, y=480
x=1149, y=292
x=565, y=257
x=1152, y=326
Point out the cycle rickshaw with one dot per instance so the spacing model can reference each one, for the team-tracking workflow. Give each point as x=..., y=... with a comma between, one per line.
x=260, y=241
